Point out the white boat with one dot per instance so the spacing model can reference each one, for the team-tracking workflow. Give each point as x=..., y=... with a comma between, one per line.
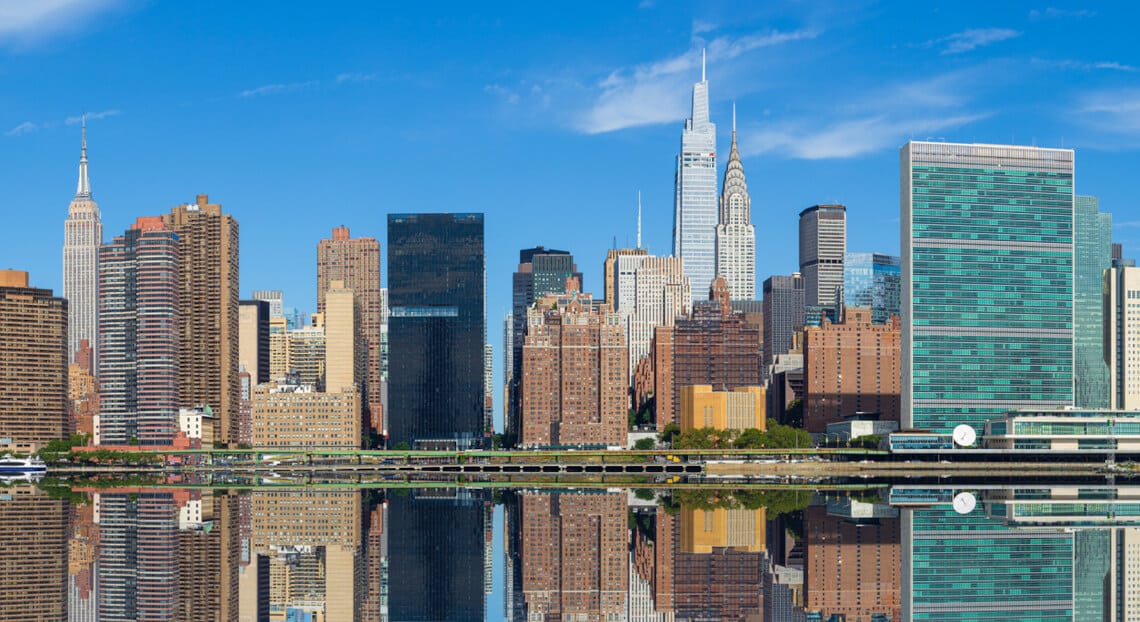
x=8, y=464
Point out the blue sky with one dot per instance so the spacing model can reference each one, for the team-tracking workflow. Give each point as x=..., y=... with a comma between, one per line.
x=299, y=117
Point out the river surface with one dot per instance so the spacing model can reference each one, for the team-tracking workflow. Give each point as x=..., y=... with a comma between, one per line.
x=673, y=550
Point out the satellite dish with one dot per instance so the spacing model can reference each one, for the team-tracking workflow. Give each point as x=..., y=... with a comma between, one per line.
x=964, y=436
x=964, y=503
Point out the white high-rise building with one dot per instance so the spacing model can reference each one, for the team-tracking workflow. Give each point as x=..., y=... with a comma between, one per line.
x=695, y=197
x=1122, y=334
x=735, y=235
x=82, y=235
x=650, y=292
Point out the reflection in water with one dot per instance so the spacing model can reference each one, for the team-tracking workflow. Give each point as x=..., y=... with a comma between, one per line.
x=326, y=555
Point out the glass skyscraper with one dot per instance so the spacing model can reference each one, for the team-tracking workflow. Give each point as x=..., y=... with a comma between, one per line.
x=695, y=198
x=987, y=282
x=1093, y=256
x=436, y=330
x=872, y=280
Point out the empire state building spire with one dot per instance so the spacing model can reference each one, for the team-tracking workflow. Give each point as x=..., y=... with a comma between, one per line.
x=83, y=189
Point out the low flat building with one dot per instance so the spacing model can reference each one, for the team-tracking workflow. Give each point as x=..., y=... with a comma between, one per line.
x=1066, y=430
x=861, y=425
x=198, y=424
x=738, y=409
x=286, y=415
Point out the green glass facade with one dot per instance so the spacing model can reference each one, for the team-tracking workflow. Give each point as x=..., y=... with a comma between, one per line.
x=1093, y=257
x=970, y=567
x=987, y=282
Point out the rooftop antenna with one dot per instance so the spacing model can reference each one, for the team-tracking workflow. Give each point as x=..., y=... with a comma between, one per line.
x=615, y=242
x=639, y=219
x=702, y=64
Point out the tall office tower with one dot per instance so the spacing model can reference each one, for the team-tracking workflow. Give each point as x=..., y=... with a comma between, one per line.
x=508, y=371
x=851, y=564
x=713, y=347
x=969, y=566
x=82, y=235
x=541, y=271
x=374, y=604
x=575, y=563
x=245, y=411
x=980, y=334
x=253, y=338
x=435, y=544
x=851, y=367
x=873, y=280
x=33, y=364
x=1093, y=255
x=437, y=329
x=208, y=301
x=138, y=556
x=384, y=349
x=695, y=201
x=609, y=269
x=649, y=292
x=344, y=352
x=82, y=553
x=1117, y=250
x=279, y=360
x=139, y=317
x=575, y=383
x=783, y=313
x=735, y=235
x=34, y=533
x=1122, y=334
x=356, y=262
x=208, y=557
x=823, y=244
x=488, y=388
x=275, y=299
x=305, y=352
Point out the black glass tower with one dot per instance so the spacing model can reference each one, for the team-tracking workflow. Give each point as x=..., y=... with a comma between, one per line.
x=436, y=330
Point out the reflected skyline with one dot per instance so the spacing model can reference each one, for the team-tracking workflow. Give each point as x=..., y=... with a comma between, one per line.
x=605, y=554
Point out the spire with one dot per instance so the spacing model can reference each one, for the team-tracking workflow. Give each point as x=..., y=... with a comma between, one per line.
x=734, y=120
x=638, y=219
x=83, y=189
x=702, y=64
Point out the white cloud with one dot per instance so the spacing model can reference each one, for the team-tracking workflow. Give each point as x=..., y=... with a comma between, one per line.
x=1087, y=66
x=658, y=92
x=274, y=89
x=1054, y=13
x=355, y=77
x=973, y=38
x=1114, y=111
x=29, y=20
x=507, y=94
x=24, y=128
x=103, y=114
x=849, y=138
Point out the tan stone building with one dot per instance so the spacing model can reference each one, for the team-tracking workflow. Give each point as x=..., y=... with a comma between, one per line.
x=208, y=301
x=34, y=531
x=83, y=392
x=295, y=416
x=739, y=409
x=575, y=380
x=344, y=351
x=279, y=361
x=34, y=400
x=740, y=529
x=851, y=367
x=356, y=262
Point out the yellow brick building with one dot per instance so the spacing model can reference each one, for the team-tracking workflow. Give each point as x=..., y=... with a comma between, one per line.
x=738, y=409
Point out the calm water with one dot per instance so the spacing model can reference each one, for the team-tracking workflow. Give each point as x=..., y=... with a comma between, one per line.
x=131, y=551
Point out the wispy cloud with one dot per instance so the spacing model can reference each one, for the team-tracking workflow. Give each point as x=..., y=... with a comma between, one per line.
x=274, y=89
x=1115, y=110
x=91, y=116
x=850, y=138
x=1088, y=66
x=973, y=38
x=355, y=77
x=31, y=20
x=657, y=92
x=1127, y=224
x=24, y=128
x=1055, y=13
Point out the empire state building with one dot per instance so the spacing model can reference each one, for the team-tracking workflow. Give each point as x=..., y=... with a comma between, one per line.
x=83, y=233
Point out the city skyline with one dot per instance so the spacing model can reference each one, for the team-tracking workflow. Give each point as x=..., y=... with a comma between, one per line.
x=849, y=159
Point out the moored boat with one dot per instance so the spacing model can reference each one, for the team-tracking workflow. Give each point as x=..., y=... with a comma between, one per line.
x=9, y=464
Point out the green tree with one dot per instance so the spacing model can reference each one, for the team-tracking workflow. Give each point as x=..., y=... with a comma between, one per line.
x=644, y=444
x=668, y=432
x=402, y=446
x=794, y=413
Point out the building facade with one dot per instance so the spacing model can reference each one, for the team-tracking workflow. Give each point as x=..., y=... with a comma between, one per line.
x=823, y=246
x=739, y=409
x=437, y=329
x=735, y=235
x=650, y=292
x=1122, y=334
x=253, y=338
x=983, y=228
x=356, y=262
x=208, y=302
x=575, y=378
x=1093, y=255
x=82, y=236
x=872, y=280
x=34, y=401
x=140, y=358
x=295, y=416
x=783, y=313
x=695, y=196
x=851, y=367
